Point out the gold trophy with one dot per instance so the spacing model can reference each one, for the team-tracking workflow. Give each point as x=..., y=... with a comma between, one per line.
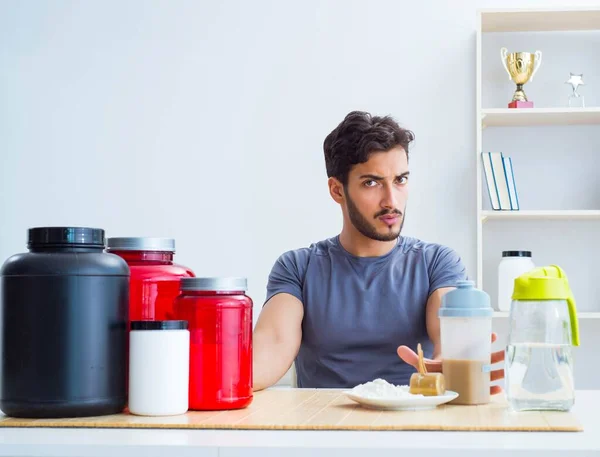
x=520, y=66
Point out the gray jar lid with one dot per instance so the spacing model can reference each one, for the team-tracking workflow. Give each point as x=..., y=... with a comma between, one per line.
x=218, y=284
x=140, y=244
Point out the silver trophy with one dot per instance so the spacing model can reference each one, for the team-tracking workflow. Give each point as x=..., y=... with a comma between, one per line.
x=576, y=99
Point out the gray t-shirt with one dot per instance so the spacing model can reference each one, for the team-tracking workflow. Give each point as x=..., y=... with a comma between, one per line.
x=358, y=310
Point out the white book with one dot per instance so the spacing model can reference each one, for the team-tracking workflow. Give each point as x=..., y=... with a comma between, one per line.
x=489, y=179
x=501, y=180
x=512, y=187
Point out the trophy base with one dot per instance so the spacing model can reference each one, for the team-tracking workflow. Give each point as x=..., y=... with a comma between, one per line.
x=576, y=101
x=520, y=104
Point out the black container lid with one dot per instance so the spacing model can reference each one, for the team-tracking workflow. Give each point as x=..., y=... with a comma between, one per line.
x=159, y=325
x=66, y=236
x=516, y=253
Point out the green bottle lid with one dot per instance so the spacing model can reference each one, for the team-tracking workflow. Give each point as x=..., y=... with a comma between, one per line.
x=548, y=283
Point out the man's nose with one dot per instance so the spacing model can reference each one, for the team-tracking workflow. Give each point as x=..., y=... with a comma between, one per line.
x=389, y=200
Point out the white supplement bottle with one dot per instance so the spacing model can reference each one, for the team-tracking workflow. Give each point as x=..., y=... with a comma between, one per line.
x=512, y=265
x=159, y=355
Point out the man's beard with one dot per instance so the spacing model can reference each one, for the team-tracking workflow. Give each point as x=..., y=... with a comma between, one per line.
x=366, y=228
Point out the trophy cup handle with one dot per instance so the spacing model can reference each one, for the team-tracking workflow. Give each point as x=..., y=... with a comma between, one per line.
x=503, y=54
x=538, y=62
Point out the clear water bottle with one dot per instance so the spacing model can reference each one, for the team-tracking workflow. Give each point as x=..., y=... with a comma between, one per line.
x=543, y=328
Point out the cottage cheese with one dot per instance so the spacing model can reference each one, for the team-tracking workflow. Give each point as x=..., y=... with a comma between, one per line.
x=380, y=388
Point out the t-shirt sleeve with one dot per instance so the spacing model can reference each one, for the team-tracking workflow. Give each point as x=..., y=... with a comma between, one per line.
x=287, y=274
x=445, y=268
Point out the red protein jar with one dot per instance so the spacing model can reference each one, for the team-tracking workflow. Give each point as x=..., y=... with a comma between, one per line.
x=154, y=281
x=219, y=315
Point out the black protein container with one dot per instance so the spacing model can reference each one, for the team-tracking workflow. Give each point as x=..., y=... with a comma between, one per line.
x=64, y=310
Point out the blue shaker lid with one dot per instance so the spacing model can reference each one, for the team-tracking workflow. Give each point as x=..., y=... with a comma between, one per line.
x=465, y=301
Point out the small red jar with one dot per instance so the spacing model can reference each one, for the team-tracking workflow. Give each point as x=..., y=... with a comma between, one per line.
x=219, y=315
x=154, y=280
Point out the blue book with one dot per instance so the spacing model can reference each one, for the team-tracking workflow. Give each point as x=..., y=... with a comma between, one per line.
x=512, y=187
x=500, y=179
x=489, y=179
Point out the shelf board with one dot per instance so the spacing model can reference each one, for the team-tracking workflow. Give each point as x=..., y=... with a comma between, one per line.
x=587, y=315
x=540, y=20
x=541, y=214
x=520, y=117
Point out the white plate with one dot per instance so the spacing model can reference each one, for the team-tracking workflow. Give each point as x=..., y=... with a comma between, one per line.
x=407, y=403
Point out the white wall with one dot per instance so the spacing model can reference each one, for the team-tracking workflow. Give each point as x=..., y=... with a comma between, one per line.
x=204, y=121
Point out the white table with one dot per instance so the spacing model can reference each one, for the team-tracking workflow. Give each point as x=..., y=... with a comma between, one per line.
x=238, y=443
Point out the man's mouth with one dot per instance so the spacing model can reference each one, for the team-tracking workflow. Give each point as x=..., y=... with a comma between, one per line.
x=390, y=219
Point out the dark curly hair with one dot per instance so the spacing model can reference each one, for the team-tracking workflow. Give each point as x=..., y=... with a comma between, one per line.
x=357, y=137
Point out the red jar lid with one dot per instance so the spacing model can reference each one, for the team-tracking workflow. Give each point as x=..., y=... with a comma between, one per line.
x=216, y=284
x=141, y=244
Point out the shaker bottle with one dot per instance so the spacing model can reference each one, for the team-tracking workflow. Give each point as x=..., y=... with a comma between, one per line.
x=543, y=328
x=466, y=336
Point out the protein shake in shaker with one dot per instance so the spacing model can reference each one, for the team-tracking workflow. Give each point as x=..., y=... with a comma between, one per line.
x=466, y=328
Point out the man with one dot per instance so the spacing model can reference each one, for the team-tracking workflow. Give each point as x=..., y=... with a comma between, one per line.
x=341, y=307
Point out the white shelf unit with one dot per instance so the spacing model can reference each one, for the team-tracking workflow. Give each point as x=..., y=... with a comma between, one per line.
x=539, y=19
x=508, y=117
x=541, y=214
x=564, y=19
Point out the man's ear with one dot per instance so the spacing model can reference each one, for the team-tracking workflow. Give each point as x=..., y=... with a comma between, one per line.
x=336, y=190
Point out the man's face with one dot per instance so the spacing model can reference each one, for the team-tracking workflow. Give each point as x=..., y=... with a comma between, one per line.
x=376, y=194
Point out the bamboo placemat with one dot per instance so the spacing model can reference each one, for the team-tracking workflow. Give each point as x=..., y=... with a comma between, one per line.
x=316, y=409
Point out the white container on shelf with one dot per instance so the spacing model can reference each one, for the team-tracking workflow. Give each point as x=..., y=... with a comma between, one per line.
x=512, y=265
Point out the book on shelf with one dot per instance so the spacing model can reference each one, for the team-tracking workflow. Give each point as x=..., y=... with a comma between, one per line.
x=500, y=180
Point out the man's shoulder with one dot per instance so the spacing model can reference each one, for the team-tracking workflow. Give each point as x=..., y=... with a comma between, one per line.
x=303, y=254
x=293, y=264
x=412, y=244
x=434, y=255
x=444, y=264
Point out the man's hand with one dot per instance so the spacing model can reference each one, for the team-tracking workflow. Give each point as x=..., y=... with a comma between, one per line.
x=435, y=366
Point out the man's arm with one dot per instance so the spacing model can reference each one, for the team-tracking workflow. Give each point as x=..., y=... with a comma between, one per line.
x=445, y=269
x=276, y=339
x=433, y=321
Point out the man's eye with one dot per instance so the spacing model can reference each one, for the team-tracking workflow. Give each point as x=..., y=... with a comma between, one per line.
x=403, y=179
x=370, y=183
